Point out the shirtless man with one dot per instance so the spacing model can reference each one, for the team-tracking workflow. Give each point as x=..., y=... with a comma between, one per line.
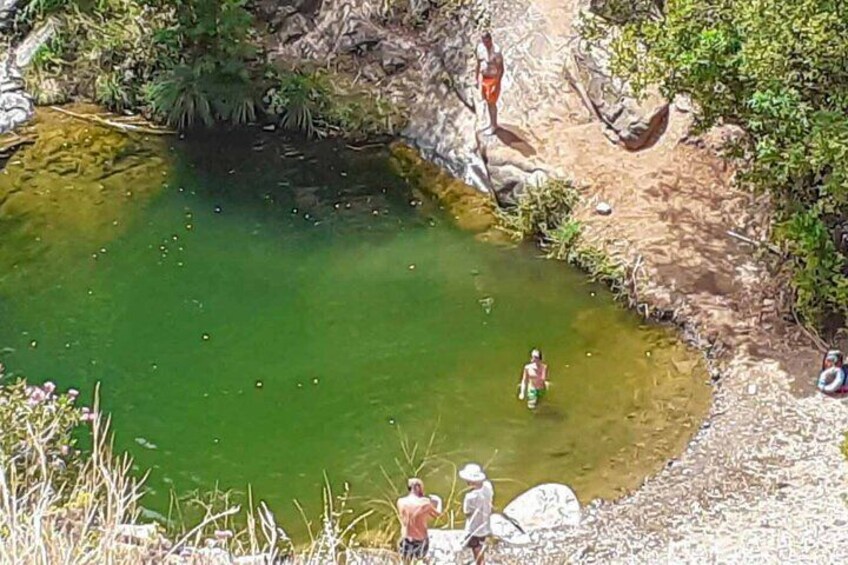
x=534, y=380
x=490, y=70
x=415, y=511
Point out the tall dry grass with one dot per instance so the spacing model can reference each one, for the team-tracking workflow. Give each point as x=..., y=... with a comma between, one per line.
x=84, y=508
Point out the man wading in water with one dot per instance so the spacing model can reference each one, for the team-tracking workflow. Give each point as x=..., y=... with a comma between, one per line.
x=534, y=380
x=490, y=70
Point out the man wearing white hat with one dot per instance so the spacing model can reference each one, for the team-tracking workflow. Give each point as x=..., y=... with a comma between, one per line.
x=477, y=507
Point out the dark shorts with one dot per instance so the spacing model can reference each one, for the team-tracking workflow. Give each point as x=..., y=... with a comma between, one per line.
x=413, y=548
x=475, y=542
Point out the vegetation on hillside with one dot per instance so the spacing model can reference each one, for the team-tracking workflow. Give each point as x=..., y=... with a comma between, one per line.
x=778, y=70
x=545, y=213
x=187, y=63
x=60, y=504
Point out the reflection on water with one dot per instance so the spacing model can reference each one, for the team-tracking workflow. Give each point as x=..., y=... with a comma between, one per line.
x=268, y=311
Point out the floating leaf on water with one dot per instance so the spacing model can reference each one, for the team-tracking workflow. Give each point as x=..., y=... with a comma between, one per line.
x=144, y=443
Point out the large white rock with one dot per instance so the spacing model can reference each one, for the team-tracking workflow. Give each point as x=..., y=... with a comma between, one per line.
x=545, y=506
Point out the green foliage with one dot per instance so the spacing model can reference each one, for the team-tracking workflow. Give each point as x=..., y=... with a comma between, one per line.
x=317, y=103
x=820, y=287
x=540, y=210
x=777, y=69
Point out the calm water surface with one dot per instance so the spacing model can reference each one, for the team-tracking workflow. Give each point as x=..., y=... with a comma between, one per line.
x=274, y=312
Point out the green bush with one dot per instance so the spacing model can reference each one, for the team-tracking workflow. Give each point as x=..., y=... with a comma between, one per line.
x=317, y=103
x=539, y=210
x=778, y=70
x=38, y=426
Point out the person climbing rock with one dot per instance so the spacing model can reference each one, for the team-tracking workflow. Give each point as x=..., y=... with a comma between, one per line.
x=415, y=510
x=834, y=376
x=490, y=70
x=534, y=380
x=477, y=507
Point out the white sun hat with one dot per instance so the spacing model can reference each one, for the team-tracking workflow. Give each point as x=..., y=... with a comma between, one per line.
x=472, y=473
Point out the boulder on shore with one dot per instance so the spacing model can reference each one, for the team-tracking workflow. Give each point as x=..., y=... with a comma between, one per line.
x=545, y=506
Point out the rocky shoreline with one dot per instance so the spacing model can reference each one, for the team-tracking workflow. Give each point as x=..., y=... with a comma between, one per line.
x=763, y=479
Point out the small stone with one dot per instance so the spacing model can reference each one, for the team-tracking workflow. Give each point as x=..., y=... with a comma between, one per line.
x=752, y=389
x=603, y=209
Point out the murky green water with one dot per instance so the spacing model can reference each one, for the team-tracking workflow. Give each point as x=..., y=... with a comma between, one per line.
x=355, y=303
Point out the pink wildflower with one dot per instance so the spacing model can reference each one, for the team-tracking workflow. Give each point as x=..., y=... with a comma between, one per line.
x=73, y=393
x=223, y=534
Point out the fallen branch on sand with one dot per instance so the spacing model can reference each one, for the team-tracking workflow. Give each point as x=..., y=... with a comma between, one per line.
x=773, y=248
x=125, y=127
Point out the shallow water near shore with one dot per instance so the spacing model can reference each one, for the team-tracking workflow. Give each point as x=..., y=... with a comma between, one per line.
x=263, y=312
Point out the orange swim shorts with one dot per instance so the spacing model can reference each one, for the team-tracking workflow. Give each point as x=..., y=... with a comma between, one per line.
x=491, y=89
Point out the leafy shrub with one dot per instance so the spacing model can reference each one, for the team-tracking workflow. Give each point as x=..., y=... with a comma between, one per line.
x=778, y=70
x=540, y=210
x=317, y=103
x=37, y=439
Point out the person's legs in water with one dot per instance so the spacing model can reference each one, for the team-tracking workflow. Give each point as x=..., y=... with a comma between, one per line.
x=534, y=395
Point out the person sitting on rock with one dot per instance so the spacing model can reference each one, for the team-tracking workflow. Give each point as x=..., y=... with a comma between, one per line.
x=833, y=378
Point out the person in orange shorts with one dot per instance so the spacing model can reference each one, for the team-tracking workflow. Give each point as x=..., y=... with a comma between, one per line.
x=490, y=70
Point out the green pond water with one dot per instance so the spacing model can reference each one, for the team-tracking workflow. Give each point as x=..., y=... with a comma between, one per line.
x=264, y=312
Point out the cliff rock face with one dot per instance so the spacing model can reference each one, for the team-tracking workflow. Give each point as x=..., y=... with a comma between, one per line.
x=16, y=107
x=421, y=54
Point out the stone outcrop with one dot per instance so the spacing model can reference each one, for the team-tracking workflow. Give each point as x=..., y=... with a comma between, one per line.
x=16, y=106
x=545, y=506
x=633, y=122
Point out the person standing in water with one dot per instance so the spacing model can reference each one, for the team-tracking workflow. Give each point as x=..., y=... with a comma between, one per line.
x=490, y=71
x=534, y=380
